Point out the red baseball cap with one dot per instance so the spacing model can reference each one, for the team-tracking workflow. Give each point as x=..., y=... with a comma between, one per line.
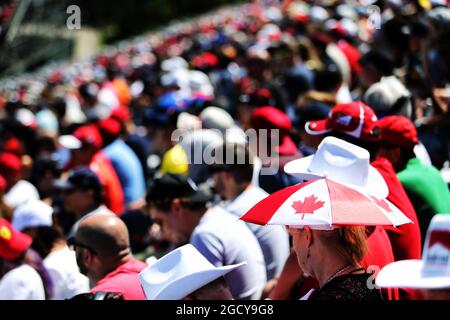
x=257, y=97
x=10, y=161
x=2, y=184
x=122, y=114
x=206, y=59
x=89, y=135
x=398, y=131
x=110, y=126
x=12, y=242
x=273, y=118
x=13, y=145
x=355, y=119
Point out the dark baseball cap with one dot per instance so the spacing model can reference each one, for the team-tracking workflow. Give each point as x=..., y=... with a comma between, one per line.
x=81, y=178
x=172, y=186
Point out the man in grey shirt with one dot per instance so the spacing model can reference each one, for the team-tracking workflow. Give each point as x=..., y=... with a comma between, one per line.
x=179, y=208
x=233, y=181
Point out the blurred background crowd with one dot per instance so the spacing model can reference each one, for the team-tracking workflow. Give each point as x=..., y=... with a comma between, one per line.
x=94, y=137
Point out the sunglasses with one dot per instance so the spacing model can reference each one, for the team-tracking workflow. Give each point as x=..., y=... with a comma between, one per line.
x=74, y=244
x=98, y=296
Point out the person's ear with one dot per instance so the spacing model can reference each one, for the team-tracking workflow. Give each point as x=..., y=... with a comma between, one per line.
x=176, y=206
x=309, y=236
x=88, y=258
x=391, y=153
x=396, y=155
x=90, y=193
x=226, y=176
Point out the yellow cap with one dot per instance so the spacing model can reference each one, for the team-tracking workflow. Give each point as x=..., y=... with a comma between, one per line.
x=175, y=161
x=426, y=4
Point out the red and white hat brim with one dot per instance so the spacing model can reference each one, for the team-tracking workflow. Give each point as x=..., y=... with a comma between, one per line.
x=318, y=127
x=325, y=204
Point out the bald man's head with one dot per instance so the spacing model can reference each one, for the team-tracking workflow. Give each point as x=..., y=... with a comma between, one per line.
x=106, y=235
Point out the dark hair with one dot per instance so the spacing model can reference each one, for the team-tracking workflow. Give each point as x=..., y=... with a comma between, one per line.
x=166, y=205
x=380, y=60
x=241, y=166
x=162, y=190
x=407, y=154
x=43, y=165
x=328, y=79
x=45, y=239
x=59, y=106
x=213, y=286
x=99, y=196
x=138, y=224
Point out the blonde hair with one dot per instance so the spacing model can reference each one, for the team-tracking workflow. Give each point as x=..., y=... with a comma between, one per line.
x=355, y=241
x=352, y=239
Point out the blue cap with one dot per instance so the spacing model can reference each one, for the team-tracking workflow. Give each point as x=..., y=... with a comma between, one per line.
x=165, y=112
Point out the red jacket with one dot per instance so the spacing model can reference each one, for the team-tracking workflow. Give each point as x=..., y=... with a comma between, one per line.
x=405, y=239
x=113, y=192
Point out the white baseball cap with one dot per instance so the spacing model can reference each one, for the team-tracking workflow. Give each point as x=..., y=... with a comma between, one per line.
x=174, y=63
x=179, y=273
x=216, y=118
x=70, y=142
x=34, y=213
x=433, y=271
x=343, y=162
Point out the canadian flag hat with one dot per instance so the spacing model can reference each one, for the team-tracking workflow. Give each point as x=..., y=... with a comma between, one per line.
x=324, y=204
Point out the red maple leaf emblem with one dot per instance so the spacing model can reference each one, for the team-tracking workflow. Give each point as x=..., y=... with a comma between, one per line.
x=381, y=203
x=307, y=206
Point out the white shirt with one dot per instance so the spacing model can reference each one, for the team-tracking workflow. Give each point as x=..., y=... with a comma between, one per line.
x=21, y=192
x=67, y=279
x=422, y=154
x=22, y=283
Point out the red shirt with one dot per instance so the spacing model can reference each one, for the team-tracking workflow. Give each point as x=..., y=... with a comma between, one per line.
x=124, y=280
x=379, y=249
x=405, y=239
x=113, y=192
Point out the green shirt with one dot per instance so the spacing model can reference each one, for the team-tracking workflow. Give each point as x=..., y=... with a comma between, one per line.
x=426, y=189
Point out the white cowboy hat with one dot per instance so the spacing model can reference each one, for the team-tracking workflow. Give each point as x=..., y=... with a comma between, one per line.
x=433, y=271
x=343, y=162
x=179, y=273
